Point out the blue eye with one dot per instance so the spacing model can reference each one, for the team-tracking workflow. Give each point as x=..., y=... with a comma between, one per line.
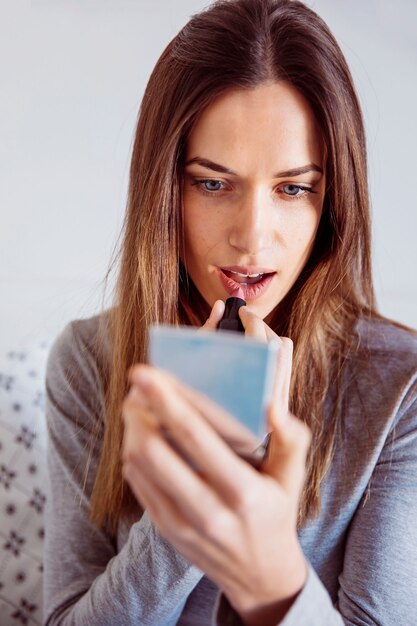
x=294, y=190
x=211, y=185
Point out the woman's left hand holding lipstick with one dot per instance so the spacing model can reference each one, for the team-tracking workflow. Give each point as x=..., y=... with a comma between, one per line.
x=236, y=524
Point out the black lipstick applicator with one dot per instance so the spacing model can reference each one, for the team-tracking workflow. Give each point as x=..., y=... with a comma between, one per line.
x=231, y=319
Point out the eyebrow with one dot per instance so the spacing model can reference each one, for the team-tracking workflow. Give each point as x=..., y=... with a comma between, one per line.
x=216, y=167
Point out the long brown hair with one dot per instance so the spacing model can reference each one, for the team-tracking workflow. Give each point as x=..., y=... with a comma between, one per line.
x=239, y=44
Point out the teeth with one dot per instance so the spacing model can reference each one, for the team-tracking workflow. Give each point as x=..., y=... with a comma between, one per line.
x=246, y=275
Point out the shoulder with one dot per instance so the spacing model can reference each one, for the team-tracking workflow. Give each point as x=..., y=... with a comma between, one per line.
x=78, y=368
x=383, y=341
x=83, y=344
x=379, y=334
x=384, y=364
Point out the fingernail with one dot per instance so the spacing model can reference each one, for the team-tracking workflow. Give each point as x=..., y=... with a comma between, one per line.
x=219, y=305
x=141, y=377
x=135, y=393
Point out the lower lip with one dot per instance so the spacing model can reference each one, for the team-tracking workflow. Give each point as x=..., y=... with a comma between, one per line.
x=250, y=292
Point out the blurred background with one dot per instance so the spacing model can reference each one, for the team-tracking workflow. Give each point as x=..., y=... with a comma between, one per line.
x=72, y=74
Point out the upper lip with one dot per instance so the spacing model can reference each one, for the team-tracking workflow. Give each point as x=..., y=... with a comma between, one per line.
x=248, y=269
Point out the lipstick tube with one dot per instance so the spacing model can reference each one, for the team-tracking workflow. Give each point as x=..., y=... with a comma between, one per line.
x=231, y=319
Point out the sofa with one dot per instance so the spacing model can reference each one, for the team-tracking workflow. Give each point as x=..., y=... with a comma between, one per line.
x=23, y=482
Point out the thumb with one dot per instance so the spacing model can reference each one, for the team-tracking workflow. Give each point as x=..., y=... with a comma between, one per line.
x=215, y=316
x=287, y=452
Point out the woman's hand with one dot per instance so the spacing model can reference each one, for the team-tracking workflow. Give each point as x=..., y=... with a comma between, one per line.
x=215, y=316
x=236, y=524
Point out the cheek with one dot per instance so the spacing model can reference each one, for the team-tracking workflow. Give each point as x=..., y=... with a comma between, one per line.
x=302, y=234
x=195, y=235
x=198, y=240
x=203, y=230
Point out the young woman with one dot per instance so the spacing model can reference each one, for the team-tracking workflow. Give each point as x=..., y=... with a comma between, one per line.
x=248, y=170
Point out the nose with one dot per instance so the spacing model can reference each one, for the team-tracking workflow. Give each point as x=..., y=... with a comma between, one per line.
x=252, y=229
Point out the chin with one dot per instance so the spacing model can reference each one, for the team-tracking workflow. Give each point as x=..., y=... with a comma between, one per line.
x=261, y=311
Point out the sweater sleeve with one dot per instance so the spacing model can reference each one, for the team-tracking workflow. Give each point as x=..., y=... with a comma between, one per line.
x=378, y=583
x=86, y=579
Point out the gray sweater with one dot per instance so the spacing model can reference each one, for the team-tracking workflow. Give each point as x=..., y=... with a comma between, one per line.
x=361, y=549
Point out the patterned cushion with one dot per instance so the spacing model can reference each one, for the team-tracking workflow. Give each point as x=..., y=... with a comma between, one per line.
x=23, y=483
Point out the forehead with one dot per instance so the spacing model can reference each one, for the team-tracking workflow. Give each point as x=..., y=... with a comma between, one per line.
x=272, y=122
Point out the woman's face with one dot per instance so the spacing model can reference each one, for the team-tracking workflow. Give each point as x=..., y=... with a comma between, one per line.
x=253, y=195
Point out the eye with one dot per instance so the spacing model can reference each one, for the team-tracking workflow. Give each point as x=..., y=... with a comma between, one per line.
x=208, y=184
x=295, y=191
x=212, y=185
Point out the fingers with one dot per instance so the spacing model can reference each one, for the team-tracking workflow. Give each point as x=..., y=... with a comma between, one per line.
x=290, y=437
x=254, y=326
x=147, y=494
x=192, y=433
x=172, y=522
x=282, y=381
x=203, y=543
x=149, y=460
x=215, y=316
x=287, y=453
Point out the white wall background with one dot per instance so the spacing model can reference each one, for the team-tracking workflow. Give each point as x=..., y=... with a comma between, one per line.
x=72, y=73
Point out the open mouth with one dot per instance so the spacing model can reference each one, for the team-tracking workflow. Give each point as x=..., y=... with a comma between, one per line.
x=246, y=279
x=253, y=285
